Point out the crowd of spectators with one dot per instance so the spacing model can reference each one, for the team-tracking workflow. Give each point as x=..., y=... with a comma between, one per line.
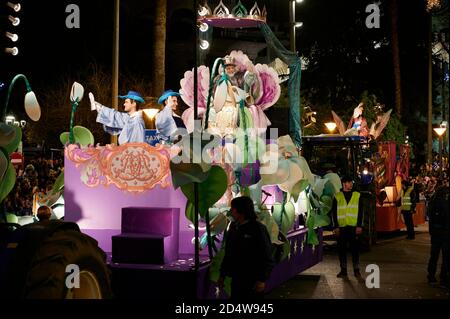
x=428, y=177
x=38, y=177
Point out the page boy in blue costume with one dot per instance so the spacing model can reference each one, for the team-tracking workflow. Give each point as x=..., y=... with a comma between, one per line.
x=167, y=121
x=129, y=125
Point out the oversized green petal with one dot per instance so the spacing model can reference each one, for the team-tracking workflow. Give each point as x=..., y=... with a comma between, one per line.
x=8, y=182
x=307, y=174
x=286, y=247
x=58, y=186
x=285, y=219
x=81, y=135
x=335, y=180
x=216, y=262
x=187, y=173
x=218, y=224
x=4, y=163
x=7, y=134
x=10, y=218
x=189, y=211
x=328, y=189
x=321, y=221
x=286, y=145
x=256, y=192
x=298, y=188
x=312, y=238
x=327, y=202
x=10, y=137
x=265, y=218
x=274, y=172
x=319, y=185
x=295, y=175
x=214, y=271
x=209, y=191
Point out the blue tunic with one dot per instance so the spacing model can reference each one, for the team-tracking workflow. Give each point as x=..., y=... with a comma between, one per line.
x=129, y=128
x=167, y=123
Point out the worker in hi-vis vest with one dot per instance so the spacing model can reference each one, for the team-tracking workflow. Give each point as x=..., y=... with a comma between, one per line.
x=347, y=218
x=407, y=204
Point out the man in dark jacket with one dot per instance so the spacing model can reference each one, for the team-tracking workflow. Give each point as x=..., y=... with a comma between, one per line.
x=438, y=226
x=248, y=252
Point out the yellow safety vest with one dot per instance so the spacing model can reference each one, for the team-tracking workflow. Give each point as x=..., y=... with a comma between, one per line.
x=406, y=199
x=347, y=213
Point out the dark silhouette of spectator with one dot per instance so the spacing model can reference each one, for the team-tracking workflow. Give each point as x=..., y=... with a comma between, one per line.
x=438, y=227
x=248, y=256
x=44, y=213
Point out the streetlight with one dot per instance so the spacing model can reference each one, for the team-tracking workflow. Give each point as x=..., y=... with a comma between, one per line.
x=32, y=107
x=331, y=126
x=11, y=120
x=293, y=24
x=15, y=6
x=440, y=131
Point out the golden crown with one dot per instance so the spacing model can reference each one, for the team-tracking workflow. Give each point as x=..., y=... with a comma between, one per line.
x=238, y=12
x=228, y=60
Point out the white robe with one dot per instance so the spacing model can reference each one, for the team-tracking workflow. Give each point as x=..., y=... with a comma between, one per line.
x=129, y=128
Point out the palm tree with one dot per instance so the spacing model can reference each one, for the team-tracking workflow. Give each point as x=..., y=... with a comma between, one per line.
x=159, y=49
x=393, y=9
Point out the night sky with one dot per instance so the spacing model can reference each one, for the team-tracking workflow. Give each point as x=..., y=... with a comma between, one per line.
x=50, y=52
x=48, y=48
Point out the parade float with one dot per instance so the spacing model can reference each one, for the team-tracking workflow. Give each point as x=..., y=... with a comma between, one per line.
x=161, y=210
x=377, y=166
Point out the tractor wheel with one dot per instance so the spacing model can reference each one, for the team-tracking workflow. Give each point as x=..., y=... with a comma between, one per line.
x=51, y=274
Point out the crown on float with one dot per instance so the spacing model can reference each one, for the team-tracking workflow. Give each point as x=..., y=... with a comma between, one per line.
x=239, y=11
x=229, y=60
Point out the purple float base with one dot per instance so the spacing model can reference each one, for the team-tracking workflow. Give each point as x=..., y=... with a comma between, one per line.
x=175, y=280
x=178, y=279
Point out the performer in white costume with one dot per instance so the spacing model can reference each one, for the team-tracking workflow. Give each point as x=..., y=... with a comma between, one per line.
x=230, y=89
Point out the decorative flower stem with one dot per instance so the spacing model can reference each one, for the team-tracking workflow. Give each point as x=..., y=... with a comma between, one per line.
x=72, y=116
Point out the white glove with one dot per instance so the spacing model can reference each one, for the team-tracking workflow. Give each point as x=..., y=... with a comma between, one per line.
x=94, y=105
x=170, y=102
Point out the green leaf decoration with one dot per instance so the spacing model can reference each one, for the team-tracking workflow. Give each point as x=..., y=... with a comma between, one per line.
x=4, y=163
x=209, y=191
x=334, y=180
x=8, y=181
x=214, y=271
x=265, y=218
x=285, y=219
x=10, y=142
x=328, y=189
x=298, y=188
x=319, y=185
x=310, y=222
x=216, y=262
x=286, y=249
x=187, y=173
x=7, y=134
x=190, y=212
x=312, y=238
x=81, y=135
x=218, y=224
x=58, y=186
x=10, y=218
x=256, y=146
x=327, y=202
x=321, y=221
